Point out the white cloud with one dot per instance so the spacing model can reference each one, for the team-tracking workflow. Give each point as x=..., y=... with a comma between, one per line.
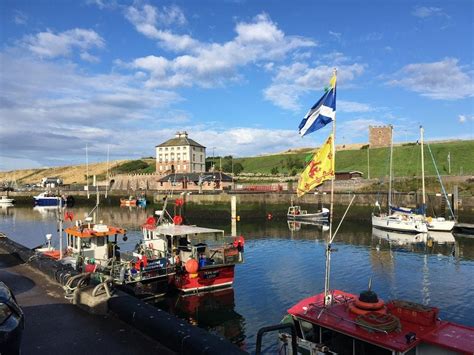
x=213, y=64
x=336, y=35
x=51, y=45
x=465, y=118
x=147, y=18
x=443, y=80
x=20, y=18
x=350, y=106
x=65, y=106
x=292, y=81
x=424, y=12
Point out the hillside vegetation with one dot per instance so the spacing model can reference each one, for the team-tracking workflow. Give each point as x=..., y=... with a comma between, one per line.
x=406, y=162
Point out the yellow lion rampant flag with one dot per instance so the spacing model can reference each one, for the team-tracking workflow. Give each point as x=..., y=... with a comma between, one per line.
x=319, y=169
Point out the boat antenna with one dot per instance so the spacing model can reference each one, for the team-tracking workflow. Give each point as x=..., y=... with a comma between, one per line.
x=327, y=294
x=423, y=206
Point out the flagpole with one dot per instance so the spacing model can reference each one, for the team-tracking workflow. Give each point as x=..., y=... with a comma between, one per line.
x=327, y=294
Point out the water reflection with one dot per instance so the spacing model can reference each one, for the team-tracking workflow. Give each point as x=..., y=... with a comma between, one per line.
x=213, y=311
x=285, y=263
x=430, y=243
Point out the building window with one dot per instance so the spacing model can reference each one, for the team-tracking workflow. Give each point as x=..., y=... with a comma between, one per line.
x=161, y=167
x=178, y=148
x=194, y=157
x=160, y=149
x=166, y=148
x=172, y=148
x=201, y=158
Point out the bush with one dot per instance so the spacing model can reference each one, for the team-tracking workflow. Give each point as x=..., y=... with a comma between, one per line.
x=134, y=166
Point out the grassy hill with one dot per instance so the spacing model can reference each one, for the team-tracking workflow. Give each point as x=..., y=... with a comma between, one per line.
x=406, y=162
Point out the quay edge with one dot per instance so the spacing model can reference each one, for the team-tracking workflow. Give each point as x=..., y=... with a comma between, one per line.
x=168, y=330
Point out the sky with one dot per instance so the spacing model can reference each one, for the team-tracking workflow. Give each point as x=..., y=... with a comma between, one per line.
x=238, y=76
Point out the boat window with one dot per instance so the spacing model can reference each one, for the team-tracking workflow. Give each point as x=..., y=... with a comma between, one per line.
x=85, y=243
x=75, y=242
x=100, y=242
x=363, y=348
x=308, y=331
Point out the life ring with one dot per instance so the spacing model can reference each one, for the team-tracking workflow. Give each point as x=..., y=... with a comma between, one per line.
x=150, y=245
x=359, y=311
x=179, y=202
x=369, y=306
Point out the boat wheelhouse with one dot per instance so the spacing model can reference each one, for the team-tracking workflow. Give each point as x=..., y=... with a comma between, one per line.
x=203, y=257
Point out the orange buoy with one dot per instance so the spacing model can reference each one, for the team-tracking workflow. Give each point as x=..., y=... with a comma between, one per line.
x=240, y=240
x=192, y=266
x=177, y=219
x=359, y=311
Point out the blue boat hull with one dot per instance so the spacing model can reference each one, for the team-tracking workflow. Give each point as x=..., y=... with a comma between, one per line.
x=49, y=202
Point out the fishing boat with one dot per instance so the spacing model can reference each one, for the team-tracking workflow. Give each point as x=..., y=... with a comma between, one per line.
x=338, y=322
x=48, y=198
x=398, y=218
x=295, y=213
x=203, y=261
x=128, y=202
x=204, y=258
x=93, y=248
x=5, y=200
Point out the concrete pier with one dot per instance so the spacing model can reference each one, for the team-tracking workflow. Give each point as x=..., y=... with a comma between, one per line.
x=54, y=325
x=120, y=324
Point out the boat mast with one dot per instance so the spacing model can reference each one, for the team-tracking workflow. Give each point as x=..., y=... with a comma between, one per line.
x=87, y=170
x=390, y=172
x=422, y=174
x=327, y=294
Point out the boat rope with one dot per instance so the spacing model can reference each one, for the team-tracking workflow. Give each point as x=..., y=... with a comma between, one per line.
x=412, y=306
x=75, y=282
x=441, y=182
x=342, y=219
x=380, y=322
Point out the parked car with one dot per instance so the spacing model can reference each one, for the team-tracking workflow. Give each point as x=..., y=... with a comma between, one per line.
x=12, y=322
x=7, y=188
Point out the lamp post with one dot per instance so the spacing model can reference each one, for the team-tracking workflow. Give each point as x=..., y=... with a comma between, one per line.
x=213, y=163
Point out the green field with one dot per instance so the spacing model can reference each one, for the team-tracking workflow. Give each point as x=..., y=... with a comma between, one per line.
x=406, y=160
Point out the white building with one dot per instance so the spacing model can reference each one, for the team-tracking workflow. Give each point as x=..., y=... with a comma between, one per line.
x=180, y=155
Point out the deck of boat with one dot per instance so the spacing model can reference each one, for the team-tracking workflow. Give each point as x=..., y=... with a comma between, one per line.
x=338, y=318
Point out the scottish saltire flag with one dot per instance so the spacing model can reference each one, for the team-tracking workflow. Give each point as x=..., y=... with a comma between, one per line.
x=319, y=169
x=323, y=112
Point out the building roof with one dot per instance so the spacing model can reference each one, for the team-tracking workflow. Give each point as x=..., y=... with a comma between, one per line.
x=180, y=139
x=178, y=177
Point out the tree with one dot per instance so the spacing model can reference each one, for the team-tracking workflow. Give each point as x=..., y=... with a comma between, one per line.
x=274, y=170
x=238, y=168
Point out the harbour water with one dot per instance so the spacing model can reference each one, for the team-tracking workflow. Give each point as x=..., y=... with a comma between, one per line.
x=285, y=263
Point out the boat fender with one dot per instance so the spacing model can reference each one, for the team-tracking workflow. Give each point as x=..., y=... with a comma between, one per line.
x=177, y=219
x=150, y=220
x=240, y=240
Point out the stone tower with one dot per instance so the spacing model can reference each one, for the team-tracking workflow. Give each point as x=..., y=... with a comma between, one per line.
x=380, y=136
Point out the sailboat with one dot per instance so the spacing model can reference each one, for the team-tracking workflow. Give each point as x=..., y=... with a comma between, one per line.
x=434, y=223
x=398, y=218
x=337, y=322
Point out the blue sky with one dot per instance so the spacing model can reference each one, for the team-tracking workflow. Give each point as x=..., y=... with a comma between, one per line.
x=237, y=75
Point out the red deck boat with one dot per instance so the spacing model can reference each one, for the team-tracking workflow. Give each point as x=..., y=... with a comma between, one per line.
x=204, y=258
x=351, y=326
